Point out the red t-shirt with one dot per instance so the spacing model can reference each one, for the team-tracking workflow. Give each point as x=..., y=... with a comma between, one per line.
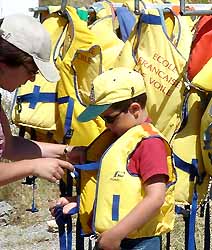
x=149, y=159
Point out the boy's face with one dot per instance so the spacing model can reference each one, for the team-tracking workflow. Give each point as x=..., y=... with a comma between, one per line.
x=120, y=121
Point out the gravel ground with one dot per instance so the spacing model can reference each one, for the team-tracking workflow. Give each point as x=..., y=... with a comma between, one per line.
x=26, y=230
x=31, y=233
x=30, y=238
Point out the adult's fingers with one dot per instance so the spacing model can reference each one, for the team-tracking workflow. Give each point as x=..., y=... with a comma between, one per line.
x=52, y=179
x=60, y=171
x=67, y=165
x=58, y=176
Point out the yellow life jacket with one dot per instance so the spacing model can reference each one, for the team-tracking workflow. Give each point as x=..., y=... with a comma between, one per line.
x=53, y=108
x=160, y=58
x=88, y=179
x=114, y=192
x=205, y=136
x=101, y=56
x=103, y=9
x=88, y=182
x=192, y=176
x=176, y=109
x=36, y=101
x=78, y=36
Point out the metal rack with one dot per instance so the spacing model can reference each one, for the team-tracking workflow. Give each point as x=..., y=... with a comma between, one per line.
x=185, y=9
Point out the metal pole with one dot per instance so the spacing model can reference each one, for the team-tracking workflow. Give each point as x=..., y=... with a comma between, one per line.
x=63, y=5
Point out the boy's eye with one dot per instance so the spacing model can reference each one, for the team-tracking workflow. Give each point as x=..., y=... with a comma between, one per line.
x=110, y=119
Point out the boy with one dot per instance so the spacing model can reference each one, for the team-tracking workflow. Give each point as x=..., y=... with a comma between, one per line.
x=134, y=202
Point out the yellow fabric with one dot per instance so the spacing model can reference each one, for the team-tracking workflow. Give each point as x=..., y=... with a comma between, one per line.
x=110, y=44
x=205, y=138
x=106, y=10
x=88, y=179
x=23, y=115
x=87, y=66
x=53, y=8
x=81, y=38
x=166, y=93
x=100, y=57
x=44, y=115
x=203, y=78
x=186, y=145
x=75, y=35
x=161, y=62
x=114, y=179
x=116, y=85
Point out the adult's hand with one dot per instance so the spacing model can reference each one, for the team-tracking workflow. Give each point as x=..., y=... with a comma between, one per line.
x=76, y=155
x=50, y=169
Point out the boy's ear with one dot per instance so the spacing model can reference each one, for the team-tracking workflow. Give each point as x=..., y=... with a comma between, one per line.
x=134, y=108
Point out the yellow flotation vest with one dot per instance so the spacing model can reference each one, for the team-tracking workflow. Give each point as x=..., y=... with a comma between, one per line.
x=48, y=107
x=200, y=76
x=101, y=56
x=36, y=101
x=54, y=108
x=174, y=107
x=206, y=136
x=88, y=179
x=160, y=58
x=88, y=183
x=192, y=176
x=113, y=192
x=77, y=133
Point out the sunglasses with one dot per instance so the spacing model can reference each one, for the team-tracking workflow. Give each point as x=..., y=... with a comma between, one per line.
x=110, y=119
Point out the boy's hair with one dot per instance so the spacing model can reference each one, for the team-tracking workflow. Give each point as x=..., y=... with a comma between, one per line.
x=12, y=56
x=124, y=105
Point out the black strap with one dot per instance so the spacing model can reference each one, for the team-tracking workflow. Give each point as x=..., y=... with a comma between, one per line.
x=207, y=226
x=186, y=221
x=79, y=238
x=168, y=241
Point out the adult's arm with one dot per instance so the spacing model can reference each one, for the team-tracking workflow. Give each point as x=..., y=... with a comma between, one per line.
x=18, y=148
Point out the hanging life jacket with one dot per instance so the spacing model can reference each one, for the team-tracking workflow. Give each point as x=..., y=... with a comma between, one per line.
x=199, y=74
x=174, y=106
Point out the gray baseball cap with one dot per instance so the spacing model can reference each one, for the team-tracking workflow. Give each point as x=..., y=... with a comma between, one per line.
x=29, y=35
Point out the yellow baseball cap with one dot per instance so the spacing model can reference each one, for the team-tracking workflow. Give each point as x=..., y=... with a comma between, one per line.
x=112, y=86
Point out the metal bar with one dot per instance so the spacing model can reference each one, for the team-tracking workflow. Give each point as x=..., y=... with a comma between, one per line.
x=195, y=12
x=185, y=9
x=63, y=5
x=199, y=9
x=39, y=9
x=137, y=9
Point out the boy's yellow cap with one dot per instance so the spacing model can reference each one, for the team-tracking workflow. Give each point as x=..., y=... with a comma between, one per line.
x=112, y=86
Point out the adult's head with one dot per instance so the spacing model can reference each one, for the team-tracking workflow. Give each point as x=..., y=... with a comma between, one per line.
x=25, y=48
x=118, y=96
